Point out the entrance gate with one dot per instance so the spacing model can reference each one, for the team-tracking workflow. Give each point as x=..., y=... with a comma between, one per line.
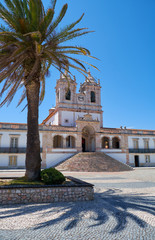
x=88, y=139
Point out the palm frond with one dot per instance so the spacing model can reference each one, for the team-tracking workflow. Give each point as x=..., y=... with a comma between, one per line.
x=30, y=43
x=15, y=84
x=71, y=26
x=53, y=3
x=23, y=96
x=73, y=36
x=58, y=20
x=46, y=22
x=7, y=17
x=17, y=8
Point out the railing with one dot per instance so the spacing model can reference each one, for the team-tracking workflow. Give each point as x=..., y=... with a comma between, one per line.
x=141, y=150
x=14, y=150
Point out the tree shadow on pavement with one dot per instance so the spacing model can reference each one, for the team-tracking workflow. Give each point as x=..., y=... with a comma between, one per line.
x=107, y=204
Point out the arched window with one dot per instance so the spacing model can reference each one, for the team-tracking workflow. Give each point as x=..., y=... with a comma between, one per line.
x=57, y=141
x=68, y=94
x=70, y=142
x=105, y=142
x=115, y=142
x=92, y=96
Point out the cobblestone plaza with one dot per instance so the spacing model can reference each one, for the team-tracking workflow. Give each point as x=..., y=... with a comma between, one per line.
x=124, y=208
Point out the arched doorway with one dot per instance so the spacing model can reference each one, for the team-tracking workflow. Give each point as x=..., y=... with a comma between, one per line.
x=88, y=139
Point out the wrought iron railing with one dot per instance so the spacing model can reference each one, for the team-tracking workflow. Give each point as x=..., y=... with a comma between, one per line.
x=142, y=150
x=14, y=150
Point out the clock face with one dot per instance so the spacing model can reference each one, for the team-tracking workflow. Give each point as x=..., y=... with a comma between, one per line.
x=81, y=98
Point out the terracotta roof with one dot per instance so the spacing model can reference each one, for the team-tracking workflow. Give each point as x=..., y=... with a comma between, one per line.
x=49, y=116
x=133, y=129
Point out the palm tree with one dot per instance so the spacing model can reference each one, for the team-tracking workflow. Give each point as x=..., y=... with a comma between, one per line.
x=30, y=42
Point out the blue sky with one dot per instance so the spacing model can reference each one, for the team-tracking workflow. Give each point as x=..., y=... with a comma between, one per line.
x=124, y=41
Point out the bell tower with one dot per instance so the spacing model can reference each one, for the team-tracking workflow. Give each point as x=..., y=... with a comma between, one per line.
x=70, y=106
x=91, y=89
x=65, y=90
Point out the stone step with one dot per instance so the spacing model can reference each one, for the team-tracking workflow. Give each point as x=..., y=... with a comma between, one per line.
x=93, y=162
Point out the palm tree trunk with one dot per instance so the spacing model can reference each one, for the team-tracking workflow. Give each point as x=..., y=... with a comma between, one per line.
x=33, y=159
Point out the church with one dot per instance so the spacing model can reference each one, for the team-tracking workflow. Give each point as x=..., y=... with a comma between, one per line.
x=75, y=125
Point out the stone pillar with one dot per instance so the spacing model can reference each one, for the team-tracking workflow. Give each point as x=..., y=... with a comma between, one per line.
x=52, y=143
x=110, y=143
x=43, y=162
x=98, y=142
x=127, y=157
x=59, y=118
x=64, y=142
x=101, y=120
x=79, y=142
x=126, y=148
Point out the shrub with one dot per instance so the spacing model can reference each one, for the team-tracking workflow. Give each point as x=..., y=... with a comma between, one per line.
x=52, y=176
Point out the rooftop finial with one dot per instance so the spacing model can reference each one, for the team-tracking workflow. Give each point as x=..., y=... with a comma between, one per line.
x=66, y=70
x=60, y=75
x=89, y=75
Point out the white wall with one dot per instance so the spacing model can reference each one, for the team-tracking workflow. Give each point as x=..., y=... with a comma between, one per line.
x=4, y=160
x=22, y=138
x=53, y=120
x=141, y=141
x=5, y=142
x=142, y=162
x=54, y=158
x=72, y=117
x=118, y=156
x=21, y=160
x=111, y=150
x=5, y=138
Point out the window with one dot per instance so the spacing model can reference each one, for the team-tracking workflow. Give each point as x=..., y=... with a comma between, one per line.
x=147, y=158
x=70, y=142
x=12, y=161
x=57, y=141
x=146, y=143
x=68, y=94
x=135, y=144
x=14, y=142
x=58, y=95
x=92, y=96
x=115, y=142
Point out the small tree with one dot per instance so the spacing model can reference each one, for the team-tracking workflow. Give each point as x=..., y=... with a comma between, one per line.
x=30, y=43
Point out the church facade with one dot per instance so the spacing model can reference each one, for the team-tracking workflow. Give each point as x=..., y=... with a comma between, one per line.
x=76, y=125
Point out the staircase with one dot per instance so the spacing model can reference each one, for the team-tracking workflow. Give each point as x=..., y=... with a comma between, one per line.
x=93, y=162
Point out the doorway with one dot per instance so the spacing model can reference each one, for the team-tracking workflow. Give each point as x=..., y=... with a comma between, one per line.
x=83, y=145
x=136, y=161
x=88, y=139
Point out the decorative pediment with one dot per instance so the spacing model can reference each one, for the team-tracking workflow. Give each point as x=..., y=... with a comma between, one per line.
x=87, y=117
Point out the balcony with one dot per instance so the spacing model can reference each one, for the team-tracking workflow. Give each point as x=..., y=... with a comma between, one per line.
x=142, y=150
x=14, y=150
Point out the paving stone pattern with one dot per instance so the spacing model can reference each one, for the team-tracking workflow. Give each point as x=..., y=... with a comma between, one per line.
x=93, y=162
x=125, y=212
